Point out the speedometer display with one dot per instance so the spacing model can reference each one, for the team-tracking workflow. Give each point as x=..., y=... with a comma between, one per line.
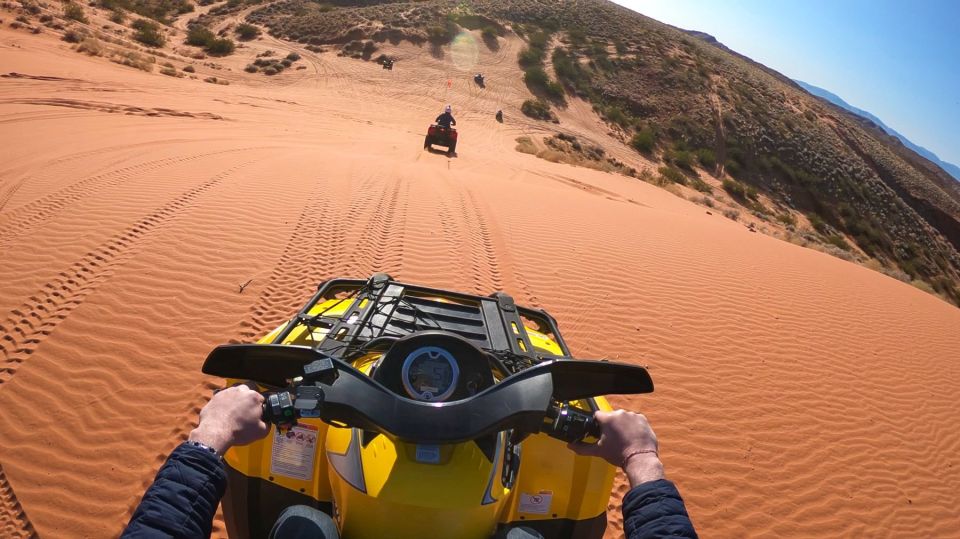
x=430, y=374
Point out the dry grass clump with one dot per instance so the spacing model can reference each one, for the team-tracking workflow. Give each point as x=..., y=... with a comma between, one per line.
x=526, y=145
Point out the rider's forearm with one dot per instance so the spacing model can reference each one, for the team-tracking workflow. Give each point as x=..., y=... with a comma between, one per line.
x=183, y=498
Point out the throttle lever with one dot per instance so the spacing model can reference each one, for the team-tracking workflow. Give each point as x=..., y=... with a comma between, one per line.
x=571, y=424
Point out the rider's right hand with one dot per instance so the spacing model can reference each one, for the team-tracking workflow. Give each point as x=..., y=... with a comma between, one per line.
x=626, y=441
x=232, y=417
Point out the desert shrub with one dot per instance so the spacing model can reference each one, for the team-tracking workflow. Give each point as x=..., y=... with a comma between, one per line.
x=73, y=36
x=220, y=47
x=286, y=63
x=189, y=69
x=643, y=140
x=169, y=71
x=200, y=36
x=118, y=16
x=538, y=109
x=441, y=34
x=700, y=185
x=731, y=214
x=740, y=191
x=250, y=68
x=91, y=46
x=270, y=70
x=530, y=57
x=706, y=158
x=74, y=12
x=538, y=82
x=787, y=219
x=526, y=145
x=705, y=201
x=672, y=175
x=148, y=33
x=368, y=49
x=838, y=241
x=159, y=10
x=293, y=57
x=247, y=32
x=681, y=158
x=489, y=32
x=817, y=223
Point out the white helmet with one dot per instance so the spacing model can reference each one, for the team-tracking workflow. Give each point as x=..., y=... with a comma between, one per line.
x=448, y=108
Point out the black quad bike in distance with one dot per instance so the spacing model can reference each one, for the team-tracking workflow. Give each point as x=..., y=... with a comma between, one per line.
x=441, y=136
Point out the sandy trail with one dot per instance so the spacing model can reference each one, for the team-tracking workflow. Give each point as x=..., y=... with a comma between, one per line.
x=797, y=395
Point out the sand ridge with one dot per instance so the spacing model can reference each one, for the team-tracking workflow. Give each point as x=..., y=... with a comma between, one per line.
x=797, y=395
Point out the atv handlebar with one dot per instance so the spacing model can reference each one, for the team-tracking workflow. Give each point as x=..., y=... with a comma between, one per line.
x=561, y=421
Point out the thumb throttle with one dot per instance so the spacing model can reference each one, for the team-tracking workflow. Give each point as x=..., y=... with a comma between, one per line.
x=570, y=424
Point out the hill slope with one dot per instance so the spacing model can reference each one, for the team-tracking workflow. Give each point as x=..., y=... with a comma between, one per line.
x=743, y=120
x=952, y=169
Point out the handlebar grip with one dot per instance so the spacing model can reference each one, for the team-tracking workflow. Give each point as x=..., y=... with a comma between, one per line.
x=571, y=424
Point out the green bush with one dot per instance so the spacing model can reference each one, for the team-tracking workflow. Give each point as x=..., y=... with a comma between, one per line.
x=118, y=16
x=199, y=36
x=270, y=70
x=247, y=32
x=74, y=12
x=700, y=185
x=682, y=159
x=537, y=80
x=250, y=68
x=736, y=189
x=220, y=47
x=817, y=223
x=530, y=57
x=148, y=33
x=537, y=109
x=707, y=158
x=643, y=141
x=672, y=175
x=293, y=57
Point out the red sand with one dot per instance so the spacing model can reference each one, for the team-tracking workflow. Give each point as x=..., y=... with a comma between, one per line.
x=797, y=395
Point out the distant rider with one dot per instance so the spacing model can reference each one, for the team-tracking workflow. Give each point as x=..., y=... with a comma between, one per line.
x=445, y=120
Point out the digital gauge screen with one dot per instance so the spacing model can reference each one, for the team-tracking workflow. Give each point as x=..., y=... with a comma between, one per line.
x=430, y=374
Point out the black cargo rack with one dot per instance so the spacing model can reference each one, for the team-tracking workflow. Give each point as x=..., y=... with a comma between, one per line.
x=392, y=310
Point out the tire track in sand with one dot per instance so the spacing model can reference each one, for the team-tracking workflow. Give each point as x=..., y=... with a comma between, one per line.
x=25, y=217
x=308, y=258
x=28, y=325
x=14, y=523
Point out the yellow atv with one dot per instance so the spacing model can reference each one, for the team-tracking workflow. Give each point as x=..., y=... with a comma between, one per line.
x=408, y=412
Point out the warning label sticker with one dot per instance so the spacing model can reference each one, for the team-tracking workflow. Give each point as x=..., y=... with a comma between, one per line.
x=295, y=452
x=537, y=504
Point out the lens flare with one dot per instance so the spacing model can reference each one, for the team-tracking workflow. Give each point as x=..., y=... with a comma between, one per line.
x=464, y=51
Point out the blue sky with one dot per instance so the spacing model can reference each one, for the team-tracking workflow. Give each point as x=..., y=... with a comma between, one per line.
x=899, y=60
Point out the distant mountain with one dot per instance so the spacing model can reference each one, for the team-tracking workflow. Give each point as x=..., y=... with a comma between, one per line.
x=952, y=169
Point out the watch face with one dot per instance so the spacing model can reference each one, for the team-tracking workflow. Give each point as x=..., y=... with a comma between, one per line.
x=430, y=374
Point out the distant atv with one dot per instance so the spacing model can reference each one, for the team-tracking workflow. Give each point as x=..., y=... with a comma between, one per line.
x=441, y=136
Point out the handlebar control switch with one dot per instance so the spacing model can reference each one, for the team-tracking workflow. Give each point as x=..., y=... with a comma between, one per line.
x=309, y=401
x=278, y=409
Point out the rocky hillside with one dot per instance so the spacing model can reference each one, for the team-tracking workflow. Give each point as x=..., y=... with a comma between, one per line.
x=696, y=106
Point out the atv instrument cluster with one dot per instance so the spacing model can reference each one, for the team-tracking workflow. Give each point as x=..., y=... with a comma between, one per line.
x=430, y=373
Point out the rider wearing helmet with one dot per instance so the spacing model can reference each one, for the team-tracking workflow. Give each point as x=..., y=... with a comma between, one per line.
x=445, y=120
x=183, y=498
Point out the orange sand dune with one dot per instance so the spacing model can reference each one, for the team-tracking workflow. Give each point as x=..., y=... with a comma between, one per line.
x=797, y=395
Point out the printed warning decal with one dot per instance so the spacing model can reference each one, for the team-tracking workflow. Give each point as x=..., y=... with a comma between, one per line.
x=537, y=504
x=295, y=452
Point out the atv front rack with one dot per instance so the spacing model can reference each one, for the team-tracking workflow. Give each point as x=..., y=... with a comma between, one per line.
x=380, y=309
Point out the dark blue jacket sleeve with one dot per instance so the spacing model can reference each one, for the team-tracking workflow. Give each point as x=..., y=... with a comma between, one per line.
x=183, y=498
x=655, y=510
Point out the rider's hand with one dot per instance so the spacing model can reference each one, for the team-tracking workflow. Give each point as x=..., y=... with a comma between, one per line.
x=232, y=417
x=627, y=441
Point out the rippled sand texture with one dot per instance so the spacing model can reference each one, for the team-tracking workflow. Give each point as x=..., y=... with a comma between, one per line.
x=797, y=395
